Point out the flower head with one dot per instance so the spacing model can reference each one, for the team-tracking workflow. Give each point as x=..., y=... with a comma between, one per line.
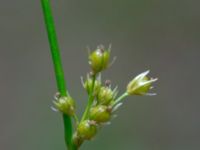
x=65, y=104
x=100, y=113
x=87, y=129
x=141, y=84
x=99, y=59
x=106, y=95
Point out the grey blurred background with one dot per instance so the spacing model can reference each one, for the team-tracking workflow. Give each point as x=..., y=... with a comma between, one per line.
x=160, y=35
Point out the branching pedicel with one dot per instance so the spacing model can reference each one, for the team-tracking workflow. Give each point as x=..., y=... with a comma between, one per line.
x=103, y=101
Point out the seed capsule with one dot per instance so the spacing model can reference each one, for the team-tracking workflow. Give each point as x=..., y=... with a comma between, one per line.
x=105, y=96
x=100, y=114
x=99, y=59
x=87, y=129
x=65, y=105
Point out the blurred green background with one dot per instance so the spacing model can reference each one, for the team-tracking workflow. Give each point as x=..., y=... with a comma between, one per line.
x=160, y=35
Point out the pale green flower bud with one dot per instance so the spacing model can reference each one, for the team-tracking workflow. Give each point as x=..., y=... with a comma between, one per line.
x=99, y=59
x=140, y=85
x=65, y=105
x=106, y=95
x=100, y=113
x=87, y=129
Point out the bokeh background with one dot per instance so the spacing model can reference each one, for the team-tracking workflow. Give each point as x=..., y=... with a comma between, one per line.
x=160, y=35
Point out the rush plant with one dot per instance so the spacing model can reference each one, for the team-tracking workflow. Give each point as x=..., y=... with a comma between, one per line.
x=103, y=100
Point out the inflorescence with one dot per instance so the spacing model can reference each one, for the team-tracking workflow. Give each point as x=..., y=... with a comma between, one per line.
x=103, y=100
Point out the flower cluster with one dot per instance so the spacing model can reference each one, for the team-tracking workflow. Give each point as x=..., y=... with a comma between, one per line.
x=103, y=100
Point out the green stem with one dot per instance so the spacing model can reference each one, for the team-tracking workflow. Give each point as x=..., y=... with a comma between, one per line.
x=90, y=99
x=120, y=98
x=59, y=73
x=54, y=47
x=68, y=132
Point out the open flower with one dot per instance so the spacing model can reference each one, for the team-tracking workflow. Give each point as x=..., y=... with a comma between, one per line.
x=141, y=84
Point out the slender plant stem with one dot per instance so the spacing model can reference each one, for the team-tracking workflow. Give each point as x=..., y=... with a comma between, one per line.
x=120, y=98
x=54, y=47
x=68, y=129
x=90, y=99
x=59, y=73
